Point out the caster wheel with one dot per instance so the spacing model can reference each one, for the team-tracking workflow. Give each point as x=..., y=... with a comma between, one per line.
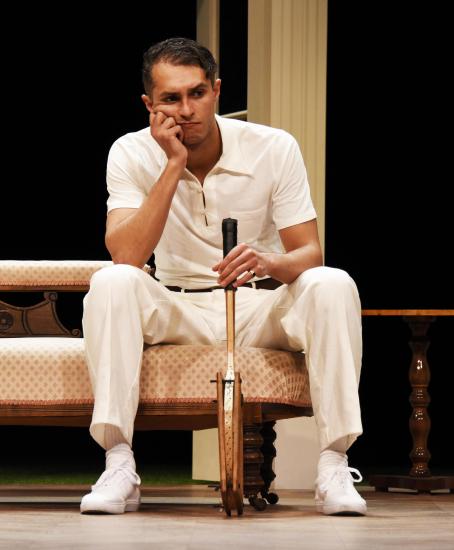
x=272, y=498
x=258, y=503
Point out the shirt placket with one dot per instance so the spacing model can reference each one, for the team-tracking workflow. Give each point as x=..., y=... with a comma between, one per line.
x=209, y=209
x=198, y=201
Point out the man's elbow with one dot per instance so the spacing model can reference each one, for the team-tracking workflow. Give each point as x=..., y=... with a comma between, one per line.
x=124, y=260
x=121, y=255
x=318, y=257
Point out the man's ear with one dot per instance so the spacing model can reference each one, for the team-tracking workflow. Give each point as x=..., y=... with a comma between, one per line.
x=217, y=87
x=148, y=103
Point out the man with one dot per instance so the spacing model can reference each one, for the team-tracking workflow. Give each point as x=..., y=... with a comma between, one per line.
x=170, y=186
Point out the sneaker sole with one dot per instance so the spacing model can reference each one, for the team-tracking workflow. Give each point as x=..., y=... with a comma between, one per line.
x=341, y=510
x=110, y=508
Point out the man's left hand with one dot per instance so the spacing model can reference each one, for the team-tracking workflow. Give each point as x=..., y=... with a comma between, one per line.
x=241, y=265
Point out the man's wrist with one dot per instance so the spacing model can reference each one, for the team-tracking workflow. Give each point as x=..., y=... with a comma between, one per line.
x=176, y=166
x=270, y=259
x=179, y=161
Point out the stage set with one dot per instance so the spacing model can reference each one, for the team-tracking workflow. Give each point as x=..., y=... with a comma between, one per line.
x=346, y=82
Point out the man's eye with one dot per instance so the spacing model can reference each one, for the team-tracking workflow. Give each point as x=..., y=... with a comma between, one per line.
x=170, y=99
x=198, y=93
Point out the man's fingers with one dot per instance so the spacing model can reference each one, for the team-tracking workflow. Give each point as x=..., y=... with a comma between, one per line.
x=244, y=279
x=234, y=259
x=239, y=266
x=159, y=119
x=165, y=126
x=234, y=276
x=168, y=123
x=231, y=256
x=179, y=133
x=235, y=270
x=176, y=131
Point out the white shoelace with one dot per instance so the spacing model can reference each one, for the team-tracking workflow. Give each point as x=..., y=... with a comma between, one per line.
x=344, y=477
x=107, y=476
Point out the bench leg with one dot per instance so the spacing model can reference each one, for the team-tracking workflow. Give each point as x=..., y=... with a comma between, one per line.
x=269, y=452
x=253, y=460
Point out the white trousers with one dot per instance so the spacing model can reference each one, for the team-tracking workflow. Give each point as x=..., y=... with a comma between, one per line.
x=319, y=313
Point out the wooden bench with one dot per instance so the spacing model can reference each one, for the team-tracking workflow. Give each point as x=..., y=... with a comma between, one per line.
x=44, y=380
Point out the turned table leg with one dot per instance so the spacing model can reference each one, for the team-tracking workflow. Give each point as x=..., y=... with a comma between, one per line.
x=419, y=376
x=419, y=477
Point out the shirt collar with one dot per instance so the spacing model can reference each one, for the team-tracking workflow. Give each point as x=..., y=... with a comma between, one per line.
x=232, y=158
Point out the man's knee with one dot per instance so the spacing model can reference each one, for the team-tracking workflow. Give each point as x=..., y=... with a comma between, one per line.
x=327, y=276
x=116, y=287
x=120, y=277
x=327, y=282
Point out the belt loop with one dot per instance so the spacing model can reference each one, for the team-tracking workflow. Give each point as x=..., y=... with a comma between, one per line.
x=182, y=290
x=253, y=284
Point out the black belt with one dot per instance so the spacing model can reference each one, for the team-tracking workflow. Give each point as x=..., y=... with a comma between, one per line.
x=268, y=284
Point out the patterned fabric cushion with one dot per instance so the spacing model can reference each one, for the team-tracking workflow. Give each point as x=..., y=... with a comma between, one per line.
x=49, y=272
x=40, y=371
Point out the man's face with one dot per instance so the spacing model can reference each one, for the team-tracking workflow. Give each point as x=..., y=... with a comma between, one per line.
x=186, y=94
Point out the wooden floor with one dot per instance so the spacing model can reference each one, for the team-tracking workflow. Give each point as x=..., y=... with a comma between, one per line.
x=190, y=519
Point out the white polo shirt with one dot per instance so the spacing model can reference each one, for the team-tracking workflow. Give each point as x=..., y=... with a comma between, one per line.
x=260, y=179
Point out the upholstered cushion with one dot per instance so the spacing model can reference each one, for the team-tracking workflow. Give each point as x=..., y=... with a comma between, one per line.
x=19, y=273
x=40, y=371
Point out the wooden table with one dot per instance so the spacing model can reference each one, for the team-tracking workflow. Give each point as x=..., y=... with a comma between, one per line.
x=420, y=477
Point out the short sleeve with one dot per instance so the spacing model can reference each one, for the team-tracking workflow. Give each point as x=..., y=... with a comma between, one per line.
x=123, y=183
x=291, y=200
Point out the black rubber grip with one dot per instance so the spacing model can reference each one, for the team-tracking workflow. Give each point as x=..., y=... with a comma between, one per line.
x=229, y=234
x=229, y=240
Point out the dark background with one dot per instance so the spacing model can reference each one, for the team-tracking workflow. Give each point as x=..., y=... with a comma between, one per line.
x=388, y=212
x=72, y=85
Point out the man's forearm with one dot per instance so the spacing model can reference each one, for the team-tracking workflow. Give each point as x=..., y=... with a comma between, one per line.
x=288, y=266
x=133, y=240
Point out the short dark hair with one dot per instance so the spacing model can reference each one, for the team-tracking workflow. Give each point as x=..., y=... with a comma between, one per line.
x=177, y=51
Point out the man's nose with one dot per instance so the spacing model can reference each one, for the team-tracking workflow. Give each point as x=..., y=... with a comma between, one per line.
x=186, y=109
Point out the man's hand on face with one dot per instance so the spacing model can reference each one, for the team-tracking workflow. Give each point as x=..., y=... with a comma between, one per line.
x=170, y=136
x=242, y=260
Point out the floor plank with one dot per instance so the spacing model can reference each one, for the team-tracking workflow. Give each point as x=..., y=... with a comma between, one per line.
x=191, y=518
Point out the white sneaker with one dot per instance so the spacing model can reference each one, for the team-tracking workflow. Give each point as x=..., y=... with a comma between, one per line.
x=336, y=494
x=116, y=491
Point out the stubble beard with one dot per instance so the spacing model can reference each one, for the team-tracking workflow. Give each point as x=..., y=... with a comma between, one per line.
x=196, y=141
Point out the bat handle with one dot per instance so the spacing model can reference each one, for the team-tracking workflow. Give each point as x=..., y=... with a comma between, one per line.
x=229, y=240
